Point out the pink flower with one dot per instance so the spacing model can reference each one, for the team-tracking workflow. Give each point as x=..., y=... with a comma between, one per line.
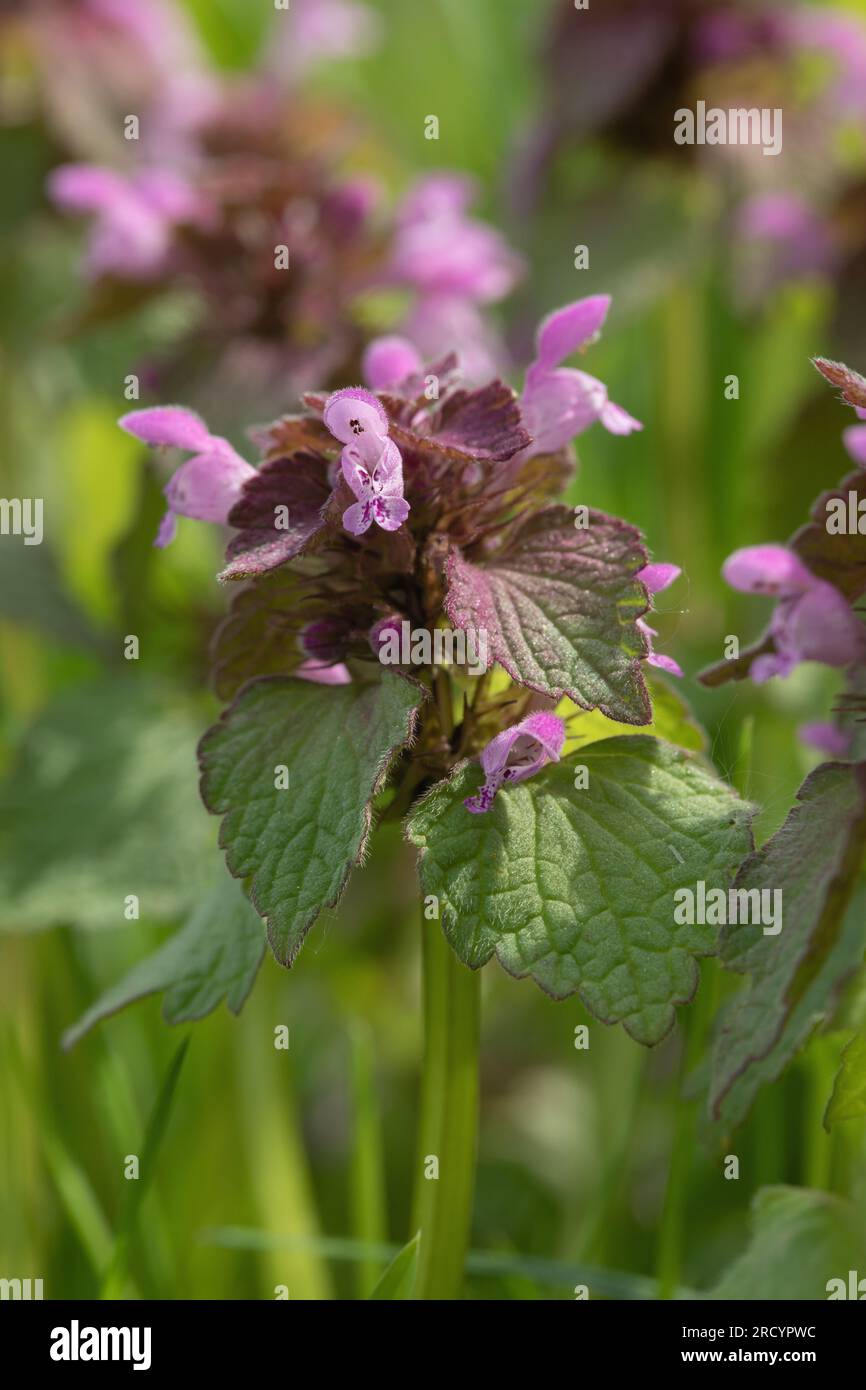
x=812, y=620
x=207, y=486
x=827, y=738
x=797, y=236
x=854, y=439
x=317, y=31
x=518, y=753
x=135, y=215
x=559, y=403
x=438, y=249
x=455, y=263
x=322, y=674
x=655, y=578
x=767, y=569
x=388, y=361
x=372, y=464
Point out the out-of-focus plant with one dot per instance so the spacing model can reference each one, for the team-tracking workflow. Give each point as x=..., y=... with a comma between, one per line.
x=815, y=860
x=230, y=193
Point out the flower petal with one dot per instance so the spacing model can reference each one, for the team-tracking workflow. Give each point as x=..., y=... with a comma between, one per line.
x=827, y=738
x=168, y=426
x=567, y=330
x=388, y=361
x=390, y=512
x=618, y=421
x=557, y=406
x=358, y=518
x=208, y=485
x=854, y=439
x=767, y=569
x=656, y=577
x=318, y=671
x=353, y=412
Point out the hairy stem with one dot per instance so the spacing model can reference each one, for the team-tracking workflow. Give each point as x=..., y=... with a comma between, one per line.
x=445, y=1174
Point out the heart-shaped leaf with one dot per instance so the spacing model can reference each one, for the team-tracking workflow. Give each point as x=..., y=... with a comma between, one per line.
x=575, y=887
x=559, y=607
x=293, y=768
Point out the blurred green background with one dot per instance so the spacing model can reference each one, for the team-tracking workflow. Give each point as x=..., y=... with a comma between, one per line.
x=588, y=1158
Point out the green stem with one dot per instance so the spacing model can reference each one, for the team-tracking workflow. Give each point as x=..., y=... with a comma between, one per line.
x=442, y=1207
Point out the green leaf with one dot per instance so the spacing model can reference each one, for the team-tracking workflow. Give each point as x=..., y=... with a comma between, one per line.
x=299, y=845
x=398, y=1281
x=795, y=975
x=559, y=607
x=576, y=887
x=100, y=803
x=215, y=956
x=848, y=1101
x=801, y=1240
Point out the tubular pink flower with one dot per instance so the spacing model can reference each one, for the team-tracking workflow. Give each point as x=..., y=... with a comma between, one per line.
x=207, y=486
x=387, y=361
x=517, y=753
x=655, y=578
x=135, y=216
x=827, y=738
x=854, y=439
x=767, y=569
x=371, y=463
x=373, y=469
x=323, y=674
x=355, y=411
x=559, y=403
x=812, y=620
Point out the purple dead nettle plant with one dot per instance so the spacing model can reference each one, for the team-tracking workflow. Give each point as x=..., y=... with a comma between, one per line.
x=551, y=831
x=817, y=580
x=815, y=861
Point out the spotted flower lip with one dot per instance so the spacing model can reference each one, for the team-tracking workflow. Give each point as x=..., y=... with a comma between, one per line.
x=559, y=403
x=355, y=411
x=518, y=753
x=373, y=468
x=207, y=486
x=371, y=463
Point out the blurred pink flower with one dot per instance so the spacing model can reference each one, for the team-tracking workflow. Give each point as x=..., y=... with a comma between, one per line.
x=207, y=486
x=135, y=215
x=812, y=620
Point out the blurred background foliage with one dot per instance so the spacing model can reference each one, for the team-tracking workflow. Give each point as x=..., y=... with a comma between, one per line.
x=588, y=1158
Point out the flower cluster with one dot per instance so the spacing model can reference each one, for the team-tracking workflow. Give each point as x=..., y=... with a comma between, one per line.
x=812, y=620
x=816, y=585
x=413, y=499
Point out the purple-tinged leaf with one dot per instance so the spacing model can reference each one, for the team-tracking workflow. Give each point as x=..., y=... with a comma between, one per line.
x=270, y=535
x=559, y=606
